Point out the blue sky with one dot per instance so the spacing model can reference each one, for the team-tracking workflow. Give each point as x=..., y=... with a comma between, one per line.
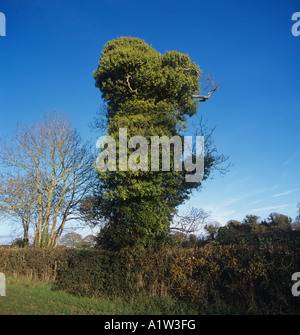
x=51, y=49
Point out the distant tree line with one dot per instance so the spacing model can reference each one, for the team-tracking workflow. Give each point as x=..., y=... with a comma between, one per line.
x=251, y=230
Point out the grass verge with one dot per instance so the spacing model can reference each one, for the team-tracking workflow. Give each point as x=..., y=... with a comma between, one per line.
x=31, y=297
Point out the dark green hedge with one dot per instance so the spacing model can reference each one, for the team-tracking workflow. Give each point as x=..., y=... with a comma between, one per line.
x=108, y=274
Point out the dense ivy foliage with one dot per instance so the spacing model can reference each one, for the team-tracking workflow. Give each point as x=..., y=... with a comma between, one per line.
x=149, y=94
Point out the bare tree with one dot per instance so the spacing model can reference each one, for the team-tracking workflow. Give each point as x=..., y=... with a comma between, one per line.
x=75, y=240
x=17, y=202
x=71, y=240
x=49, y=172
x=192, y=221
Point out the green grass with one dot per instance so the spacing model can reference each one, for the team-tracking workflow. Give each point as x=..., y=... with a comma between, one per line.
x=30, y=297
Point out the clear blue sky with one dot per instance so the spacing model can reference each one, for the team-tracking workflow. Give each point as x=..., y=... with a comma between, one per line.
x=53, y=46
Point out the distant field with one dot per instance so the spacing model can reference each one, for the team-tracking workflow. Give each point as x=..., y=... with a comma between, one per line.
x=29, y=297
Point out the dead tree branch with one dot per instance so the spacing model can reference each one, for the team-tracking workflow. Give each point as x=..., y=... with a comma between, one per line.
x=211, y=86
x=128, y=83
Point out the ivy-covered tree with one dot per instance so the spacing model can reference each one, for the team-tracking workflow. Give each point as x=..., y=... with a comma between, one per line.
x=149, y=94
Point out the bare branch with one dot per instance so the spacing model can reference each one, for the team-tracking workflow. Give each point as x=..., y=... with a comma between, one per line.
x=192, y=221
x=128, y=83
x=211, y=86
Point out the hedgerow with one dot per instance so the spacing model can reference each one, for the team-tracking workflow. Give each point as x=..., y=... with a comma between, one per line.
x=235, y=278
